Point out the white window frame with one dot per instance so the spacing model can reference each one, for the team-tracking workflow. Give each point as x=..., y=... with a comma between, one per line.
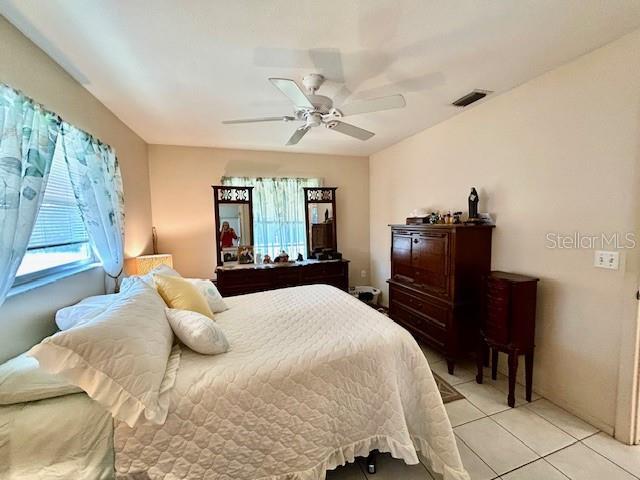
x=57, y=271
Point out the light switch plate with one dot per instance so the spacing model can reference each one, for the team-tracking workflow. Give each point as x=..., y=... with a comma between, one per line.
x=608, y=260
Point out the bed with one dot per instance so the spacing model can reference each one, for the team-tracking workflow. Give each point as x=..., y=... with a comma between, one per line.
x=69, y=437
x=314, y=379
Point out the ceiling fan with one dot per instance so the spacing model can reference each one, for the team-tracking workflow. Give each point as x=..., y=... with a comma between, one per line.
x=315, y=110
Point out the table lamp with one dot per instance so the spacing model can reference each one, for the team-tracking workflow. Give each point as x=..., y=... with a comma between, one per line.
x=145, y=263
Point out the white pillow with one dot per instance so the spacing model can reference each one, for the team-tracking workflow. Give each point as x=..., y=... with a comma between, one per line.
x=148, y=278
x=211, y=293
x=121, y=358
x=86, y=310
x=198, y=332
x=22, y=380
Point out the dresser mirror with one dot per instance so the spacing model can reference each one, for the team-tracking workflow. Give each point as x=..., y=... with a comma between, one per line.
x=320, y=216
x=234, y=221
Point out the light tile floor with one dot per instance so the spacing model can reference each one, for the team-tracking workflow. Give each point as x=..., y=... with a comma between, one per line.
x=534, y=441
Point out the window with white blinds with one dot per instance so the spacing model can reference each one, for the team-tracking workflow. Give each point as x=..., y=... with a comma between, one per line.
x=59, y=239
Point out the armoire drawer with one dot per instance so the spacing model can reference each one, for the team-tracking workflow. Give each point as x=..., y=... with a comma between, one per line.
x=434, y=312
x=418, y=323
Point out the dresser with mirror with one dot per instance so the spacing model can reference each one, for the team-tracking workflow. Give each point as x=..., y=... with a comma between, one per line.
x=243, y=267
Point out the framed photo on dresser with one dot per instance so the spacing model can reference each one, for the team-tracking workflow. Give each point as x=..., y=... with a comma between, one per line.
x=230, y=256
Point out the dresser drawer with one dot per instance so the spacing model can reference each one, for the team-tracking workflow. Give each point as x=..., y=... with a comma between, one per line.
x=286, y=277
x=433, y=312
x=322, y=270
x=418, y=324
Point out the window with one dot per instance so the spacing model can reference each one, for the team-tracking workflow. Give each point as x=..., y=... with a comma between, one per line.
x=278, y=213
x=59, y=239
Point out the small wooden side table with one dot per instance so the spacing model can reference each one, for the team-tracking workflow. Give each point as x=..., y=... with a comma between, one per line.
x=508, y=325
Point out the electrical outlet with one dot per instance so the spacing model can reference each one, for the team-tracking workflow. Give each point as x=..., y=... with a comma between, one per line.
x=608, y=260
x=363, y=274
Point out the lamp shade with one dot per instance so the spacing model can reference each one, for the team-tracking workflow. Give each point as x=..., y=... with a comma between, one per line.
x=145, y=263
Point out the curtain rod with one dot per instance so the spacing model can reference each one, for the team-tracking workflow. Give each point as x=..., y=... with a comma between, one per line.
x=51, y=112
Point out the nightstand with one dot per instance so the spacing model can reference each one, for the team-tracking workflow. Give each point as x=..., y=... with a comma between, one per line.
x=508, y=325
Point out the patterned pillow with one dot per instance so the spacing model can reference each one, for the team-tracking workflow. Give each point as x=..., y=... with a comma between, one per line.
x=211, y=293
x=199, y=333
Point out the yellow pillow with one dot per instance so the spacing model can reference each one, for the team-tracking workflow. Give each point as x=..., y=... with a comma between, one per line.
x=179, y=293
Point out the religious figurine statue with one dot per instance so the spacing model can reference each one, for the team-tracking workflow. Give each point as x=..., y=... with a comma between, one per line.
x=473, y=204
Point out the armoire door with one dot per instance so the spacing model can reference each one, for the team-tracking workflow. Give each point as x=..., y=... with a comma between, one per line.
x=401, y=256
x=430, y=261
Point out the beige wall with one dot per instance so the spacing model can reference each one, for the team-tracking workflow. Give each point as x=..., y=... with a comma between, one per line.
x=27, y=68
x=182, y=198
x=558, y=154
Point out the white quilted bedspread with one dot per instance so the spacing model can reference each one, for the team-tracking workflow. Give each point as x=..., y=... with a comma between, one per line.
x=314, y=378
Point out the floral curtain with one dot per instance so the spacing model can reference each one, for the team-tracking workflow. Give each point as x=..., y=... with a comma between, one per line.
x=97, y=185
x=278, y=213
x=28, y=135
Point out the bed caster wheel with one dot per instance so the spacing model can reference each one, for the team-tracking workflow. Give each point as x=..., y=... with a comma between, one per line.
x=371, y=462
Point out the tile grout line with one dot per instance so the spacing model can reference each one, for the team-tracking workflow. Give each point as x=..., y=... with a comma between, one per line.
x=470, y=421
x=607, y=458
x=558, y=426
x=478, y=407
x=575, y=439
x=479, y=457
x=524, y=444
x=513, y=435
x=529, y=463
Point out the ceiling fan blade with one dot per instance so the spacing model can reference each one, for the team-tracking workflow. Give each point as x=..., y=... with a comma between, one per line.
x=342, y=95
x=373, y=105
x=257, y=120
x=298, y=134
x=328, y=62
x=351, y=130
x=292, y=91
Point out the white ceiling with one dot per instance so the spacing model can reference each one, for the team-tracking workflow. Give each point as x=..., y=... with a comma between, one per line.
x=173, y=69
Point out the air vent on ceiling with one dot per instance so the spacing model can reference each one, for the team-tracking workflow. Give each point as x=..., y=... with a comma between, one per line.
x=470, y=98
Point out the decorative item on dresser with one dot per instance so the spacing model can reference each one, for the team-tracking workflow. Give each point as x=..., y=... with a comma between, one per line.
x=241, y=279
x=509, y=320
x=436, y=283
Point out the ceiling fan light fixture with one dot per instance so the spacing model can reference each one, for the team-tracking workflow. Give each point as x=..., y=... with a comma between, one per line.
x=314, y=119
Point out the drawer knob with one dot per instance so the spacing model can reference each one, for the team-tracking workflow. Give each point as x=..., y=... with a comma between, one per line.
x=415, y=240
